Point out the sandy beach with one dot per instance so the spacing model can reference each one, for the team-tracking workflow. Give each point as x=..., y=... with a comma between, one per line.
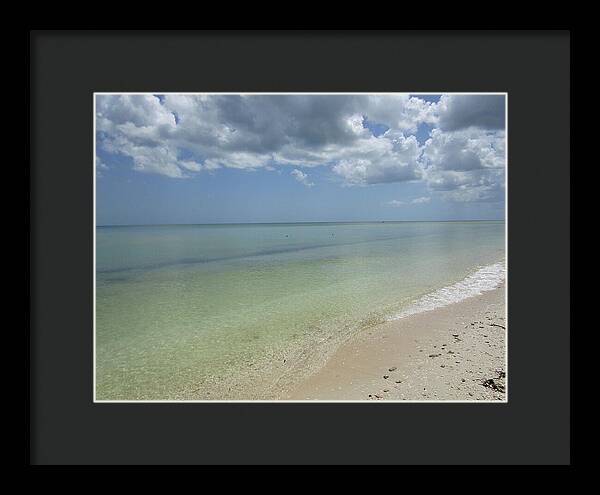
x=457, y=352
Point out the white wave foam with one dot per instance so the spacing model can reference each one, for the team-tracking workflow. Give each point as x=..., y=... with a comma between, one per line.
x=485, y=279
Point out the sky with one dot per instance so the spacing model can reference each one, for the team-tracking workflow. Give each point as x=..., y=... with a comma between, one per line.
x=181, y=158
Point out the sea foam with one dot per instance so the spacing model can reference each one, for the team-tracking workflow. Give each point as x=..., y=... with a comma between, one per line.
x=484, y=279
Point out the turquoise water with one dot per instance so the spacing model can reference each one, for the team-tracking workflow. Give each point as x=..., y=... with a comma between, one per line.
x=239, y=311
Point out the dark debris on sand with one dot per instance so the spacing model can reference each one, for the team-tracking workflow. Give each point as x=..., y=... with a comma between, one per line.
x=497, y=383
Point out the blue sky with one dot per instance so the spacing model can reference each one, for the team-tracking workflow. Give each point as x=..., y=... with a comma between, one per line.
x=229, y=158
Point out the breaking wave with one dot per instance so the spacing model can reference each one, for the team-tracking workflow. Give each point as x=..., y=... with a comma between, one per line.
x=484, y=279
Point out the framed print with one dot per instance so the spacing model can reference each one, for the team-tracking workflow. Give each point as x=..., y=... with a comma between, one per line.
x=349, y=240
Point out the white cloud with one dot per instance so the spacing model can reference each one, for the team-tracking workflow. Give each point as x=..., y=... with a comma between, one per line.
x=301, y=177
x=468, y=165
x=401, y=112
x=251, y=132
x=100, y=165
x=141, y=111
x=181, y=136
x=397, y=203
x=190, y=165
x=388, y=158
x=464, y=150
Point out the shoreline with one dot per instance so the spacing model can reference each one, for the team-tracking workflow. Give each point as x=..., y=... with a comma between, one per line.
x=416, y=350
x=452, y=353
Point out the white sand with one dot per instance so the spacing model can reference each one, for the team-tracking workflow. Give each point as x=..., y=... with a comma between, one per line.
x=444, y=354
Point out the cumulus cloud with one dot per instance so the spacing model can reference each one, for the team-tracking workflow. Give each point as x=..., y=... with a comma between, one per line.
x=301, y=177
x=391, y=157
x=182, y=136
x=463, y=111
x=466, y=165
x=464, y=150
x=401, y=111
x=250, y=132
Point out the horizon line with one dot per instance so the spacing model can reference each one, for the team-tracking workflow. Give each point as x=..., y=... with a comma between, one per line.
x=298, y=222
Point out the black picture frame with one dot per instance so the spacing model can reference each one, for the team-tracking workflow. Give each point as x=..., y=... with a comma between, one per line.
x=67, y=67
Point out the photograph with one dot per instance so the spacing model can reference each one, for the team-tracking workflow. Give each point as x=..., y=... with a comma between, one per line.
x=300, y=247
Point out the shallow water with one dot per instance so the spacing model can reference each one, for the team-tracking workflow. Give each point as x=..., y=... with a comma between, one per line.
x=232, y=311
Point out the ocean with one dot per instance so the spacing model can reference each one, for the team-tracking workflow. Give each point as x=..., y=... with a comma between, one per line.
x=245, y=311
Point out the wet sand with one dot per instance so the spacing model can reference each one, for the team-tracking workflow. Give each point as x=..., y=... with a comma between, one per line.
x=455, y=353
